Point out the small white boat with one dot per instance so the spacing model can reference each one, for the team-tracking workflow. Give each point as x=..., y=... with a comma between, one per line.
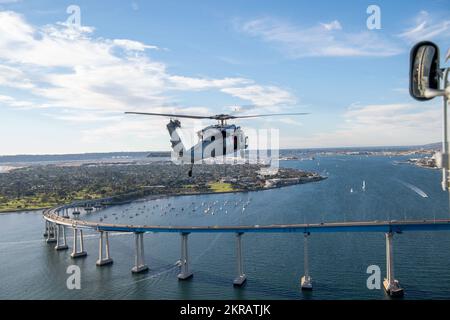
x=364, y=185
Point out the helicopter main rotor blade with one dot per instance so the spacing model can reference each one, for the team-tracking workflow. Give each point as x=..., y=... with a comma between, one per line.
x=220, y=117
x=268, y=115
x=169, y=115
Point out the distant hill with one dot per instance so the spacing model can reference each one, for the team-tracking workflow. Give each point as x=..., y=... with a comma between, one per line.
x=436, y=145
x=81, y=157
x=155, y=154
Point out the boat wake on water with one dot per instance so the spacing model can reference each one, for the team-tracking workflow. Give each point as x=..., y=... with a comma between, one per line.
x=167, y=269
x=155, y=274
x=413, y=188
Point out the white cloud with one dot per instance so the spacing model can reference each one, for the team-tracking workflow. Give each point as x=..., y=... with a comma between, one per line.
x=188, y=83
x=71, y=69
x=262, y=96
x=322, y=40
x=333, y=25
x=79, y=79
x=426, y=28
x=133, y=45
x=277, y=122
x=377, y=125
x=20, y=103
x=14, y=78
x=77, y=116
x=51, y=46
x=135, y=130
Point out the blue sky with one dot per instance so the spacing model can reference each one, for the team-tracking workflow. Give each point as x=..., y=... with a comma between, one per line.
x=64, y=90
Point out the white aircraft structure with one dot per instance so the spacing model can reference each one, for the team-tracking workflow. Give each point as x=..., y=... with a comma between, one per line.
x=217, y=140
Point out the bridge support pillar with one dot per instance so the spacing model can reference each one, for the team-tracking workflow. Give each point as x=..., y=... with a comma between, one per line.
x=78, y=253
x=241, y=277
x=391, y=285
x=51, y=233
x=66, y=213
x=140, y=265
x=46, y=230
x=105, y=259
x=185, y=273
x=61, y=240
x=306, y=281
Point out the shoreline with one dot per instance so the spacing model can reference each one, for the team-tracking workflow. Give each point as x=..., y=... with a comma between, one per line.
x=24, y=210
x=162, y=196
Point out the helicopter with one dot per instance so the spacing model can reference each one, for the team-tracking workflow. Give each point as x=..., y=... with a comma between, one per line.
x=217, y=140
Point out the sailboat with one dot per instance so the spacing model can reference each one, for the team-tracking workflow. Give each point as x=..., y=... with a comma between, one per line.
x=364, y=185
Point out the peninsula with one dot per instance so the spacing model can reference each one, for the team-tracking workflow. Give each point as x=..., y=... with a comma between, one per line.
x=46, y=185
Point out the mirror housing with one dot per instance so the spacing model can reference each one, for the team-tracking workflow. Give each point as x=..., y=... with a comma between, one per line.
x=424, y=75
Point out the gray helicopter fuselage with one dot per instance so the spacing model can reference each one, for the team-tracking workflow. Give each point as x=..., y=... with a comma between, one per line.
x=214, y=141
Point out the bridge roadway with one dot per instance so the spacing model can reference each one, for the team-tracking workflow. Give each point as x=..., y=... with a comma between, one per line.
x=57, y=219
x=392, y=226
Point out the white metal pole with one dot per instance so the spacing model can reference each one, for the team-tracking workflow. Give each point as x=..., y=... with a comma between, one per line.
x=445, y=145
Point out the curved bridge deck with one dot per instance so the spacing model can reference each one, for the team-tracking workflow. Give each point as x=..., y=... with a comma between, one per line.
x=56, y=225
x=362, y=226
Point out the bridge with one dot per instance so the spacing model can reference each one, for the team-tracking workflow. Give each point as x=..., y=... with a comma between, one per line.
x=58, y=219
